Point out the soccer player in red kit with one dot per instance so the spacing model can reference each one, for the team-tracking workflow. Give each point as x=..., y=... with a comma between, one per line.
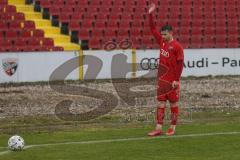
x=172, y=57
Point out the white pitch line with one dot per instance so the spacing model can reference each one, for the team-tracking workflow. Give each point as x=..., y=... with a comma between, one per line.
x=126, y=139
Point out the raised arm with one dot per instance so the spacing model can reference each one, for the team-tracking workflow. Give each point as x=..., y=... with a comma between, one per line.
x=155, y=32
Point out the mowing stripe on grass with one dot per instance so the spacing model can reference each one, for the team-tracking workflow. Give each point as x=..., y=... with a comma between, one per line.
x=126, y=139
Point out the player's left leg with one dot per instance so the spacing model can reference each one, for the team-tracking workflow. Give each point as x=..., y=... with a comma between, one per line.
x=174, y=106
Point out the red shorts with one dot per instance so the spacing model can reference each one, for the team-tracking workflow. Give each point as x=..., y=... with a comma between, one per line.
x=166, y=92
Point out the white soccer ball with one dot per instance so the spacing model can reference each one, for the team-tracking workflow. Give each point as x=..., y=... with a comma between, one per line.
x=16, y=143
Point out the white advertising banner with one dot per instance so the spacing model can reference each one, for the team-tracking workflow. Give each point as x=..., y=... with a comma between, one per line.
x=197, y=62
x=203, y=62
x=39, y=66
x=107, y=64
x=31, y=67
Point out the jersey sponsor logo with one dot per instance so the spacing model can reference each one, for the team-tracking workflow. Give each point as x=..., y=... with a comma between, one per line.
x=10, y=65
x=149, y=63
x=164, y=53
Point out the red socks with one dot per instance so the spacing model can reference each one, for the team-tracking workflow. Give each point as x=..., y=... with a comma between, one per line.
x=174, y=115
x=160, y=115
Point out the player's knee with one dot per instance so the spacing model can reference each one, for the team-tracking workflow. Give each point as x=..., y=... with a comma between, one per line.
x=173, y=104
x=161, y=104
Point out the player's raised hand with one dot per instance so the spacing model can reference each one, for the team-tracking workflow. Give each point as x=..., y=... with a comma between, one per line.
x=152, y=8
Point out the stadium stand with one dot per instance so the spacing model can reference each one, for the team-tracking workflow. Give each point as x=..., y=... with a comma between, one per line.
x=197, y=23
x=24, y=30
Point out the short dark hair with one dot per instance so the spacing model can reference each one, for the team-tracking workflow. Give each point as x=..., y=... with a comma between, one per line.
x=167, y=28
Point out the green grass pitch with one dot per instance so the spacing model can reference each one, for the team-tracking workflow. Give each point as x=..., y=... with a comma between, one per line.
x=198, y=140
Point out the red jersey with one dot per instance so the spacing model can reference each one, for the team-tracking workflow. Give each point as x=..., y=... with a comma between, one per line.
x=171, y=54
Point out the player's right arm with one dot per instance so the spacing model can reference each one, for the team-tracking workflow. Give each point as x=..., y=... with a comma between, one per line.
x=155, y=32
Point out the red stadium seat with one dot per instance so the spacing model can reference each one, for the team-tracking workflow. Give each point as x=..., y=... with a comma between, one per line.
x=123, y=33
x=38, y=33
x=2, y=9
x=233, y=42
x=34, y=42
x=196, y=40
x=146, y=32
x=11, y=34
x=209, y=23
x=112, y=24
x=10, y=9
x=107, y=2
x=138, y=16
x=209, y=31
x=118, y=3
x=15, y=25
x=135, y=32
x=104, y=9
x=89, y=16
x=185, y=23
x=197, y=23
x=74, y=25
x=45, y=3
x=3, y=26
x=54, y=10
x=232, y=31
x=147, y=42
x=137, y=10
x=130, y=10
x=26, y=33
x=126, y=16
x=92, y=9
x=61, y=2
x=184, y=39
x=95, y=2
x=184, y=31
x=77, y=16
x=221, y=42
x=99, y=24
x=82, y=2
x=208, y=42
x=141, y=3
x=20, y=43
x=114, y=16
x=67, y=10
x=136, y=23
x=19, y=16
x=94, y=43
x=110, y=33
x=116, y=9
x=29, y=24
x=97, y=33
x=83, y=34
x=125, y=23
x=221, y=31
x=6, y=45
x=70, y=2
x=129, y=3
x=64, y=17
x=47, y=42
x=197, y=31
x=3, y=2
x=101, y=16
x=87, y=24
